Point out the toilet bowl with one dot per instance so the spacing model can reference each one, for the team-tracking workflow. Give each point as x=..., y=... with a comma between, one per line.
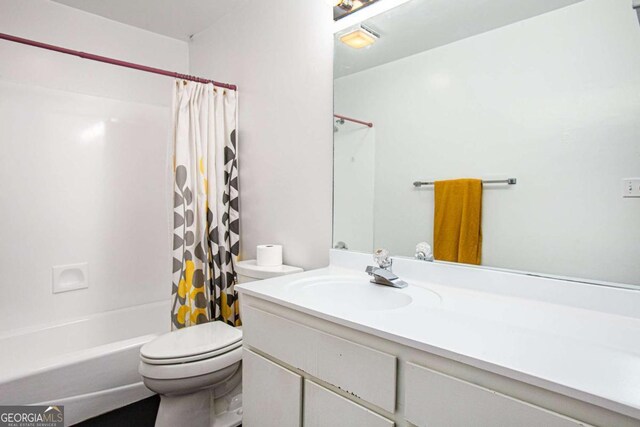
x=197, y=373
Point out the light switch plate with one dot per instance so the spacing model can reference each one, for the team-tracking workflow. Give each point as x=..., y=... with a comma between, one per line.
x=631, y=187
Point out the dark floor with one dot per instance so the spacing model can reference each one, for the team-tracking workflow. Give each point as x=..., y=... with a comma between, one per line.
x=138, y=414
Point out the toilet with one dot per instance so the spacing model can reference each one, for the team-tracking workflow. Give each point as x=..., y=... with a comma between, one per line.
x=197, y=373
x=250, y=271
x=197, y=370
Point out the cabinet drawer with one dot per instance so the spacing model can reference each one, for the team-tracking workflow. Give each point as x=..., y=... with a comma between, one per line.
x=437, y=400
x=272, y=395
x=323, y=408
x=366, y=373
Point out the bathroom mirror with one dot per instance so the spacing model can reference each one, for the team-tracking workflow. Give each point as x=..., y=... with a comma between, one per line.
x=541, y=96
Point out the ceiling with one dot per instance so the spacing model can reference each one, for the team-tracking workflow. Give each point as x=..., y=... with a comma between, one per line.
x=420, y=25
x=413, y=27
x=174, y=18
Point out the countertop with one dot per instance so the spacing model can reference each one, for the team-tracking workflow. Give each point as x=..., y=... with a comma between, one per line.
x=590, y=355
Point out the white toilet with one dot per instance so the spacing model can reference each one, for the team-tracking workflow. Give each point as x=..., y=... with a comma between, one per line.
x=197, y=370
x=250, y=271
x=197, y=373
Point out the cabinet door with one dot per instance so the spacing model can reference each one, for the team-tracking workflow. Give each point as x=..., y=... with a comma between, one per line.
x=272, y=395
x=433, y=399
x=364, y=372
x=324, y=408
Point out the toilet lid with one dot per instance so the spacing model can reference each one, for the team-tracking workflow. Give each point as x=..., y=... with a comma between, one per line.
x=192, y=343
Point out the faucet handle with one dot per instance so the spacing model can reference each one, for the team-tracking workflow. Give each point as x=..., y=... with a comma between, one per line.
x=381, y=257
x=424, y=252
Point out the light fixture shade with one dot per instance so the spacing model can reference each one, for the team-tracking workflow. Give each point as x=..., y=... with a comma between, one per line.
x=358, y=38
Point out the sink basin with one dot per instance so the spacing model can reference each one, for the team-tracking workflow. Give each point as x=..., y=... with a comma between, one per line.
x=350, y=293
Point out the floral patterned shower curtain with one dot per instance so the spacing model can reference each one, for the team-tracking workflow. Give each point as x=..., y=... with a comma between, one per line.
x=205, y=205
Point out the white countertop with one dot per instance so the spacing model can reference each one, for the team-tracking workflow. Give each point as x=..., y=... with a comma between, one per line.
x=588, y=354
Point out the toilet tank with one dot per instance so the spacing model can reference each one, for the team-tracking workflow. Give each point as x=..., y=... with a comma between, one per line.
x=249, y=271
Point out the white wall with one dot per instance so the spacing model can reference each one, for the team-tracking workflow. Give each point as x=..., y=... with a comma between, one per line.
x=551, y=101
x=354, y=154
x=280, y=55
x=83, y=164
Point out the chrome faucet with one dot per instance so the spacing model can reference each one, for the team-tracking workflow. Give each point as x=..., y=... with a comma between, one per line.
x=382, y=275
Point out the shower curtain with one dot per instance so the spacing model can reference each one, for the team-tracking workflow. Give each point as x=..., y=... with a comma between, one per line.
x=205, y=205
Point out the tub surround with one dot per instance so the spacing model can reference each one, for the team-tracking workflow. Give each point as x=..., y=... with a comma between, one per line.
x=548, y=339
x=93, y=127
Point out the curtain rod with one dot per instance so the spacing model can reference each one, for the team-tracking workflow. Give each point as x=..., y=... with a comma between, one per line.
x=353, y=120
x=113, y=61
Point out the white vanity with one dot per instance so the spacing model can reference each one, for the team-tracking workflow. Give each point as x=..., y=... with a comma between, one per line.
x=460, y=346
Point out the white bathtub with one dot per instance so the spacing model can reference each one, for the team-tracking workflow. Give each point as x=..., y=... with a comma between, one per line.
x=88, y=364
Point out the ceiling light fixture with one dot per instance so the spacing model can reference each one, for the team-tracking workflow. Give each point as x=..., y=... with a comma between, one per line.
x=359, y=38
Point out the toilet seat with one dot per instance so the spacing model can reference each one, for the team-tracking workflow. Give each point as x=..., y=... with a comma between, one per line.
x=193, y=358
x=191, y=369
x=192, y=344
x=193, y=351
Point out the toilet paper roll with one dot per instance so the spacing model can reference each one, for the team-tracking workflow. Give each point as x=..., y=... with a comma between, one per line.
x=269, y=255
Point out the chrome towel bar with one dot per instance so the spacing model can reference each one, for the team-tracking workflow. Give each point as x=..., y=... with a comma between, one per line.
x=510, y=181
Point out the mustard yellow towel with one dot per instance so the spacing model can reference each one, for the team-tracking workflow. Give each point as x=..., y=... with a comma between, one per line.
x=457, y=235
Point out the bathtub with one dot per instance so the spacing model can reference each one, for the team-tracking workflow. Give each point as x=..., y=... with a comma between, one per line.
x=88, y=364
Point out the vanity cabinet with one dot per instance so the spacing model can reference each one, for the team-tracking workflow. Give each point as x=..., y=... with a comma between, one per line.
x=275, y=393
x=302, y=370
x=361, y=371
x=323, y=408
x=437, y=400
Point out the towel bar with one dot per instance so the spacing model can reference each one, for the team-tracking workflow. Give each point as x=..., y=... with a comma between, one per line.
x=510, y=181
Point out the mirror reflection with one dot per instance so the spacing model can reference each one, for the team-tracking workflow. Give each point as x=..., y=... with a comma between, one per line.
x=501, y=134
